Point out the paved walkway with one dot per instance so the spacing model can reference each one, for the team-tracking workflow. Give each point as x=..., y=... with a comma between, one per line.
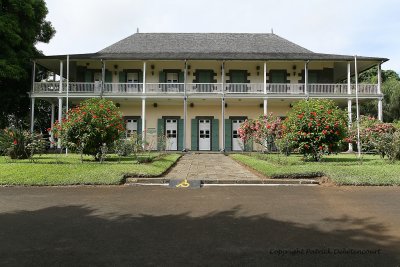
x=210, y=166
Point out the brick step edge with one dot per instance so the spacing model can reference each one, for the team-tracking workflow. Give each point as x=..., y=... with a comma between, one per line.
x=208, y=181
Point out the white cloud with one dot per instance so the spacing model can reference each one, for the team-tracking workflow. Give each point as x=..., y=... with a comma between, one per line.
x=368, y=28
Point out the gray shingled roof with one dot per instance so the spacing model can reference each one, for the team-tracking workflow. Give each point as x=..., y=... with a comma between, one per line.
x=212, y=46
x=196, y=43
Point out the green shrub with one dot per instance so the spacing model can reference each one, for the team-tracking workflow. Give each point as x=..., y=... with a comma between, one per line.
x=20, y=144
x=379, y=137
x=91, y=126
x=315, y=127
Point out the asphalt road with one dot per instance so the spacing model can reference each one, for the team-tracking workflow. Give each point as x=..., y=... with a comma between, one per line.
x=218, y=226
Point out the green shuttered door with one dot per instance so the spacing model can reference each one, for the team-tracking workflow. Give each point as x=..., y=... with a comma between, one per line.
x=161, y=77
x=122, y=77
x=194, y=135
x=88, y=76
x=139, y=126
x=215, y=135
x=180, y=135
x=228, y=134
x=108, y=78
x=160, y=133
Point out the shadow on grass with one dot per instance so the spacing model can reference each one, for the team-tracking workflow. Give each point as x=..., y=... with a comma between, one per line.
x=79, y=236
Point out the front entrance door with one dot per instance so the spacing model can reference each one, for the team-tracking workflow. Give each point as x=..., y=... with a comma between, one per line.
x=131, y=127
x=204, y=134
x=237, y=142
x=171, y=129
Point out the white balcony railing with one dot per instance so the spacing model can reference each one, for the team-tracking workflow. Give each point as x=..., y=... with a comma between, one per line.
x=165, y=88
x=202, y=88
x=123, y=88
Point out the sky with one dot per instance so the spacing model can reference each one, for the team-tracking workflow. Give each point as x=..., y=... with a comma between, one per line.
x=347, y=27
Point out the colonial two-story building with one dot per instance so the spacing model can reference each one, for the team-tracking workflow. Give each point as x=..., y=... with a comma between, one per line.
x=196, y=88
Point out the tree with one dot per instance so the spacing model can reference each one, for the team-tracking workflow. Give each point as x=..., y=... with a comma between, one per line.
x=91, y=126
x=22, y=25
x=315, y=127
x=390, y=90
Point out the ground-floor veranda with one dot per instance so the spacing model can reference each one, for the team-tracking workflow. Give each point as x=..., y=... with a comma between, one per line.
x=196, y=124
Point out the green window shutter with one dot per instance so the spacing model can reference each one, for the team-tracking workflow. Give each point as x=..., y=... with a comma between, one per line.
x=108, y=78
x=278, y=76
x=161, y=77
x=238, y=76
x=140, y=74
x=205, y=76
x=180, y=135
x=160, y=133
x=139, y=126
x=181, y=77
x=122, y=77
x=228, y=135
x=88, y=76
x=312, y=77
x=194, y=135
x=215, y=135
x=80, y=73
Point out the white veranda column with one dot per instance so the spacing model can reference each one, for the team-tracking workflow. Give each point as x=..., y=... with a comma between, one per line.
x=32, y=98
x=32, y=114
x=349, y=102
x=223, y=106
x=144, y=122
x=53, y=107
x=144, y=106
x=60, y=103
x=380, y=106
x=265, y=89
x=184, y=107
x=306, y=78
x=265, y=105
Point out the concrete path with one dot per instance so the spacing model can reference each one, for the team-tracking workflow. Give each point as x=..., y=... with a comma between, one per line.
x=210, y=166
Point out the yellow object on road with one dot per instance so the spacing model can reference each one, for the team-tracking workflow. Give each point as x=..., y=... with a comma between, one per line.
x=184, y=183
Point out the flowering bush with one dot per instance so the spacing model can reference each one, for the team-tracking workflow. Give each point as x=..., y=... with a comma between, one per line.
x=377, y=136
x=315, y=127
x=262, y=131
x=95, y=123
x=20, y=144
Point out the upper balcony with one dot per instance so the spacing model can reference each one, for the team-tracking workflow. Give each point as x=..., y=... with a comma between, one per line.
x=271, y=90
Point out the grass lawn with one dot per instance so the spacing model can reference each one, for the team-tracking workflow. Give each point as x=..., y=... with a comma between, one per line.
x=342, y=169
x=51, y=169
